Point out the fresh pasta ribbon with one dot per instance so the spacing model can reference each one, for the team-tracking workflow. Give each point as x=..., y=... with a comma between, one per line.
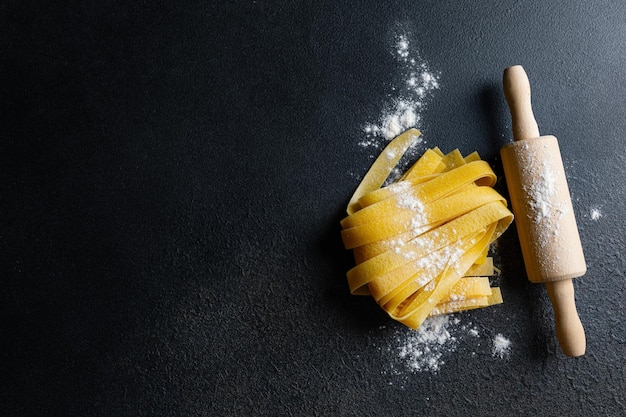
x=421, y=243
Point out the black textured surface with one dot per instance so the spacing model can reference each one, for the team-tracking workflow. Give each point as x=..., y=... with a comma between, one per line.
x=173, y=175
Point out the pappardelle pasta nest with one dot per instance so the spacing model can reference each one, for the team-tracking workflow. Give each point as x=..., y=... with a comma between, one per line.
x=421, y=243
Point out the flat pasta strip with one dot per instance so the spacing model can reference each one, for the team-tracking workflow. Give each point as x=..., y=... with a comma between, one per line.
x=383, y=165
x=421, y=244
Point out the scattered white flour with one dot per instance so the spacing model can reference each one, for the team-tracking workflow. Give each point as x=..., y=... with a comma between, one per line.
x=427, y=348
x=422, y=349
x=501, y=346
x=404, y=111
x=595, y=214
x=402, y=47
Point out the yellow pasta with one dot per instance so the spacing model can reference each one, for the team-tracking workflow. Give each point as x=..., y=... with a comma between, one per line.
x=421, y=243
x=383, y=165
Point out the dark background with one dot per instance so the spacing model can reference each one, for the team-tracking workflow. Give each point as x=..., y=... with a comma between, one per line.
x=173, y=175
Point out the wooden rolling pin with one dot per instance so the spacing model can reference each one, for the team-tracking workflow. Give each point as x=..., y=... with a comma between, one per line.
x=543, y=210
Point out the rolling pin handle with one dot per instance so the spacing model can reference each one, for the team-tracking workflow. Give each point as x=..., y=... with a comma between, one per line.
x=569, y=329
x=517, y=93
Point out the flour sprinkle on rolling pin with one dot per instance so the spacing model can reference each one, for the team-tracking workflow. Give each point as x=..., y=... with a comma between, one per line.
x=543, y=210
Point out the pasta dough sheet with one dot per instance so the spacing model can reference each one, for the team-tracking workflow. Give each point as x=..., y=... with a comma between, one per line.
x=421, y=243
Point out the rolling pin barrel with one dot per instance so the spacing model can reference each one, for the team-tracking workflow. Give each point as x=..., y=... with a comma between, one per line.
x=544, y=215
x=543, y=210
